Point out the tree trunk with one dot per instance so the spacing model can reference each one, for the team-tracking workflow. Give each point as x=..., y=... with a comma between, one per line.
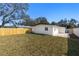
x=3, y=23
x=13, y=24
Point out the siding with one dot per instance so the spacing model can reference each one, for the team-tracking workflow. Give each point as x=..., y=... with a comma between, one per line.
x=41, y=29
x=52, y=30
x=76, y=31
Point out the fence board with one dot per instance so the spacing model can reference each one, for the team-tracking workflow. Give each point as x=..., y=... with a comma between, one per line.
x=13, y=31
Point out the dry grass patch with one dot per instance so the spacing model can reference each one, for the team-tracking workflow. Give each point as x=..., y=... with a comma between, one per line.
x=33, y=44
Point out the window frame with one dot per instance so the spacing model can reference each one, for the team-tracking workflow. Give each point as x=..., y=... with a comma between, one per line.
x=46, y=29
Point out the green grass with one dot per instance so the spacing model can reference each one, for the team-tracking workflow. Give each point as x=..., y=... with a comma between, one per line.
x=33, y=44
x=73, y=46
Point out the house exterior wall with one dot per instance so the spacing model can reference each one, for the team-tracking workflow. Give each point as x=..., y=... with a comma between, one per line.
x=60, y=31
x=52, y=30
x=55, y=31
x=76, y=31
x=41, y=29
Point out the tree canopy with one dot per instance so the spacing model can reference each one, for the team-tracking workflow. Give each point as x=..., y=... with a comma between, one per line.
x=12, y=11
x=41, y=20
x=68, y=23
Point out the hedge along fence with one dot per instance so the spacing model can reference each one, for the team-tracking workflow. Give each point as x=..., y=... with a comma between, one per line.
x=13, y=31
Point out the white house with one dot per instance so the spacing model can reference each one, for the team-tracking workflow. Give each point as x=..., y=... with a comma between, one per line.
x=76, y=31
x=50, y=30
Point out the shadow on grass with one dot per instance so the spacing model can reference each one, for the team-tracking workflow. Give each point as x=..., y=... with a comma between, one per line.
x=73, y=46
x=39, y=34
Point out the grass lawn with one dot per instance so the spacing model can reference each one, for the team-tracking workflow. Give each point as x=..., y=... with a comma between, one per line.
x=33, y=44
x=73, y=46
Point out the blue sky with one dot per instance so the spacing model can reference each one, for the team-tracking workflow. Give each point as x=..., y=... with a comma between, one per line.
x=54, y=11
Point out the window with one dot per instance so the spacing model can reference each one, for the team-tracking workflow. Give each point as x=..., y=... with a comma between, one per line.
x=46, y=28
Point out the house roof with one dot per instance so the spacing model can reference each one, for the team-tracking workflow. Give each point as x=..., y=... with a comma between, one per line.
x=49, y=25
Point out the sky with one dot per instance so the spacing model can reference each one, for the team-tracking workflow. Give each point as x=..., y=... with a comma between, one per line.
x=54, y=11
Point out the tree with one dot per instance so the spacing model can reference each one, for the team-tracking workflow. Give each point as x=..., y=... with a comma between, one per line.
x=72, y=23
x=28, y=21
x=68, y=23
x=63, y=22
x=41, y=20
x=9, y=12
x=78, y=25
x=53, y=23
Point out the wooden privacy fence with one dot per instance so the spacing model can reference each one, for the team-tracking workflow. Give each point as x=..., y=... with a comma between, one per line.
x=13, y=31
